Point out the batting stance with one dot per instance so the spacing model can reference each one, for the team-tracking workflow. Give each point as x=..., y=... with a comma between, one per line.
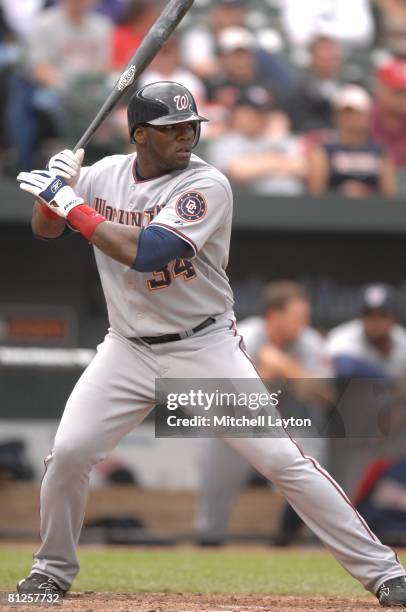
x=160, y=223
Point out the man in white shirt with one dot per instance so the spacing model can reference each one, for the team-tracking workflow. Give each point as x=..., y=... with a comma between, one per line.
x=349, y=22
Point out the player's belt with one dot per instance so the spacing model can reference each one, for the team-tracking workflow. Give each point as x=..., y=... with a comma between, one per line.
x=180, y=336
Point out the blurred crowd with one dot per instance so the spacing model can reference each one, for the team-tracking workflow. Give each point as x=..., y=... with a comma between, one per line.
x=302, y=96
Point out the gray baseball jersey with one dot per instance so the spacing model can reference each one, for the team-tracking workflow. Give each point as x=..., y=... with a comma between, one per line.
x=349, y=339
x=196, y=204
x=73, y=49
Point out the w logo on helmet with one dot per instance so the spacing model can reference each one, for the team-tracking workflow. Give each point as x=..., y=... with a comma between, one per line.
x=182, y=103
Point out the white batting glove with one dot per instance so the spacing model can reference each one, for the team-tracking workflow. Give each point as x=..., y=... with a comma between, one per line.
x=52, y=190
x=67, y=164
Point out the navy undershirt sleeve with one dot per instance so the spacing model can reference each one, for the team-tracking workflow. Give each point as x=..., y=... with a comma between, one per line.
x=157, y=247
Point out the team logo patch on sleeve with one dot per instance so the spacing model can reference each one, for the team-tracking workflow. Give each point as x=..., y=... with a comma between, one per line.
x=191, y=206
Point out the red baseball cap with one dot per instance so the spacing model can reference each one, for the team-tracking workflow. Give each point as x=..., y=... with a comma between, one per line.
x=393, y=73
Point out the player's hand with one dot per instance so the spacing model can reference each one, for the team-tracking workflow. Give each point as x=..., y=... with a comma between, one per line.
x=52, y=190
x=67, y=164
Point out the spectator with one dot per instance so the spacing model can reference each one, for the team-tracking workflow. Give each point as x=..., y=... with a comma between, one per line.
x=68, y=43
x=127, y=36
x=20, y=15
x=349, y=22
x=310, y=103
x=391, y=26
x=239, y=69
x=259, y=150
x=15, y=25
x=351, y=163
x=199, y=43
x=389, y=114
x=167, y=66
x=282, y=345
x=374, y=344
x=9, y=54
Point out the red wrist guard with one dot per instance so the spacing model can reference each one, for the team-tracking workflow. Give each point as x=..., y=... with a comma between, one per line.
x=47, y=212
x=85, y=219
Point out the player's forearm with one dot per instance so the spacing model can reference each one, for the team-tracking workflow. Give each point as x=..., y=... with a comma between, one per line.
x=44, y=225
x=60, y=203
x=250, y=167
x=274, y=363
x=46, y=75
x=117, y=241
x=319, y=172
x=387, y=179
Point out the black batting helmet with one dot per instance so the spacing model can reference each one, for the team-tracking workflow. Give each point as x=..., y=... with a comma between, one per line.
x=162, y=103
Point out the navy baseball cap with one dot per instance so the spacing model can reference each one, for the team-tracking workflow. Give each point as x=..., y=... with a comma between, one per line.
x=255, y=96
x=378, y=297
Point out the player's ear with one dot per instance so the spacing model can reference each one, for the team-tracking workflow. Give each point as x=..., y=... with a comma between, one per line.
x=140, y=134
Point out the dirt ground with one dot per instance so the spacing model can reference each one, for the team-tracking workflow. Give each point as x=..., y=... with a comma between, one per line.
x=185, y=602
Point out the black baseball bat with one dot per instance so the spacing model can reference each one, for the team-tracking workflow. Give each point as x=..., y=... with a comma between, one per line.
x=159, y=33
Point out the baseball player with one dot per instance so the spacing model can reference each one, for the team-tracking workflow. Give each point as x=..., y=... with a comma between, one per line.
x=374, y=344
x=160, y=223
x=284, y=346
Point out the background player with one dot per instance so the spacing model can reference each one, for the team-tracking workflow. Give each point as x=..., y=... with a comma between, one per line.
x=374, y=344
x=160, y=222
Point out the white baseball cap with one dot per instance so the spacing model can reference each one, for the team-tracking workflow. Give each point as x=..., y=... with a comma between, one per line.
x=231, y=39
x=353, y=96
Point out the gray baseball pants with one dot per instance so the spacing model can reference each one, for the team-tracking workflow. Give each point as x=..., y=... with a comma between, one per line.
x=115, y=394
